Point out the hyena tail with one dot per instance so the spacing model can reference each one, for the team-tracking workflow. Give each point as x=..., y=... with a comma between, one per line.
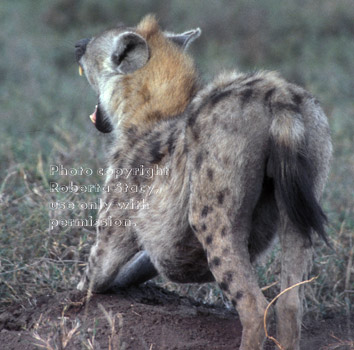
x=293, y=170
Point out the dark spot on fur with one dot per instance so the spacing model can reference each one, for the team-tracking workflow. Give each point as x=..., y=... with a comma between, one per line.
x=246, y=96
x=205, y=211
x=233, y=302
x=109, y=232
x=244, y=77
x=132, y=131
x=116, y=155
x=171, y=142
x=100, y=252
x=185, y=148
x=152, y=136
x=155, y=152
x=216, y=261
x=267, y=97
x=93, y=260
x=198, y=161
x=223, y=232
x=193, y=118
x=210, y=174
x=194, y=228
x=216, y=96
x=288, y=106
x=209, y=240
x=221, y=196
x=297, y=99
x=239, y=295
x=224, y=286
x=254, y=81
x=195, y=132
x=226, y=251
x=203, y=228
x=228, y=276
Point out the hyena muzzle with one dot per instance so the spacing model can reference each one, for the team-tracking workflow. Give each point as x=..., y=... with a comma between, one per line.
x=221, y=168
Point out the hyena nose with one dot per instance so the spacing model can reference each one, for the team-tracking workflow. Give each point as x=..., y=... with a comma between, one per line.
x=80, y=48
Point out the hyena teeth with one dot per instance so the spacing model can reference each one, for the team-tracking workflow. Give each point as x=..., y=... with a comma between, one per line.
x=93, y=115
x=81, y=71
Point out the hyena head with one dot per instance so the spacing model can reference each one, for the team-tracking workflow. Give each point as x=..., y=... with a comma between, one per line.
x=140, y=74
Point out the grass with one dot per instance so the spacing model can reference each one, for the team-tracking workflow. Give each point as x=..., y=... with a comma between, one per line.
x=67, y=334
x=44, y=117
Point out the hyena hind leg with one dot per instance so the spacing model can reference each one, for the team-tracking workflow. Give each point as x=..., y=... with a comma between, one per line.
x=295, y=264
x=222, y=223
x=230, y=263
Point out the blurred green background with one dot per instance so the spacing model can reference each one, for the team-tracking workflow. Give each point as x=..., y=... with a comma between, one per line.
x=45, y=107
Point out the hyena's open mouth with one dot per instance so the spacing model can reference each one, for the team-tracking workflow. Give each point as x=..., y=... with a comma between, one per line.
x=101, y=120
x=98, y=117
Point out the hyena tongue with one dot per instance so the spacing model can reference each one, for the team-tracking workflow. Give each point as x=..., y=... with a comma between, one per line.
x=93, y=115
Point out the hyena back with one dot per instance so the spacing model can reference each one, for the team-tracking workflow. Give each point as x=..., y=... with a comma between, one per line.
x=247, y=157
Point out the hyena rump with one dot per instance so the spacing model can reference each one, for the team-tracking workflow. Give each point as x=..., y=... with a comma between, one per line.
x=248, y=157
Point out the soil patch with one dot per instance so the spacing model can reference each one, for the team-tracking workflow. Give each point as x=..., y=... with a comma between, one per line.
x=146, y=317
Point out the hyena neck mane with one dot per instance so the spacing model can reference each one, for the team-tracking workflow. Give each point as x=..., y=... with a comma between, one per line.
x=162, y=88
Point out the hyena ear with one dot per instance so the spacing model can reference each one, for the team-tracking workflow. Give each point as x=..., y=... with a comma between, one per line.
x=131, y=53
x=183, y=40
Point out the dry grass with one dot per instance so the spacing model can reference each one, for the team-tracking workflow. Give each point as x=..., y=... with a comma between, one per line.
x=114, y=340
x=65, y=333
x=59, y=337
x=339, y=344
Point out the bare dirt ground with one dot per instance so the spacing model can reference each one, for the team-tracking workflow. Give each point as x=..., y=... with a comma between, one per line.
x=146, y=317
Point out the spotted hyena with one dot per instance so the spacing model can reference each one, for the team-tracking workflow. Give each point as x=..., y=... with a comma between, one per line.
x=212, y=173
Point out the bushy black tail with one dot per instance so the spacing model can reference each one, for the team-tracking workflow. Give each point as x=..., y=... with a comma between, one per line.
x=294, y=174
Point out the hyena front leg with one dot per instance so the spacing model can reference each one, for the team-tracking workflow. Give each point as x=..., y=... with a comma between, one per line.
x=116, y=259
x=296, y=262
x=114, y=247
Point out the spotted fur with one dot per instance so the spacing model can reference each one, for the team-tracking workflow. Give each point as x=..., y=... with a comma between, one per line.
x=247, y=157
